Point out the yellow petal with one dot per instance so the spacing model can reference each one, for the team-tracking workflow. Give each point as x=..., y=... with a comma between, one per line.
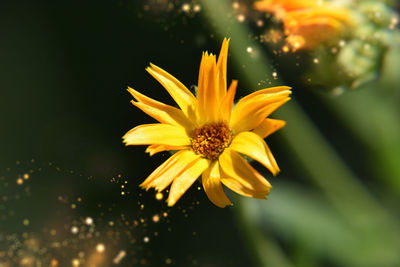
x=207, y=94
x=240, y=177
x=212, y=186
x=170, y=170
x=182, y=96
x=154, y=149
x=161, y=134
x=253, y=146
x=186, y=178
x=221, y=68
x=227, y=102
x=268, y=127
x=160, y=111
x=165, y=166
x=249, y=116
x=238, y=188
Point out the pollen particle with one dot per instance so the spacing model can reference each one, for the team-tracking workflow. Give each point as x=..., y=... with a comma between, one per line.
x=211, y=139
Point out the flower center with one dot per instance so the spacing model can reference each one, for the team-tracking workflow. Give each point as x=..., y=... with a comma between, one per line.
x=210, y=140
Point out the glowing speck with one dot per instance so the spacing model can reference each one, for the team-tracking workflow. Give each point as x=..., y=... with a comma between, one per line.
x=122, y=193
x=235, y=5
x=342, y=43
x=146, y=239
x=89, y=221
x=75, y=262
x=100, y=248
x=25, y=222
x=54, y=262
x=74, y=230
x=260, y=23
x=111, y=223
x=197, y=8
x=186, y=7
x=249, y=49
x=316, y=60
x=165, y=214
x=159, y=196
x=241, y=17
x=26, y=176
x=285, y=49
x=20, y=181
x=156, y=218
x=73, y=206
x=275, y=75
x=168, y=261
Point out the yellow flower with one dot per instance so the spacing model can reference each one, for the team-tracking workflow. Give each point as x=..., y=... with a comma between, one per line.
x=308, y=24
x=208, y=134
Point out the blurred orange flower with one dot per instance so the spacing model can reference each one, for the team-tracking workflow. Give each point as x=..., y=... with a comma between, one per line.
x=310, y=23
x=209, y=135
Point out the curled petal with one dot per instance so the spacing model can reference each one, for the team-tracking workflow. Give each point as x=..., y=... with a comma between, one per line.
x=207, y=94
x=268, y=127
x=182, y=96
x=212, y=186
x=221, y=68
x=154, y=149
x=227, y=102
x=161, y=177
x=253, y=146
x=240, y=177
x=186, y=178
x=160, y=111
x=250, y=116
x=161, y=134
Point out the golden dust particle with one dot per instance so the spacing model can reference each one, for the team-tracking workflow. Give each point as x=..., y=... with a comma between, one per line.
x=122, y=193
x=260, y=23
x=75, y=262
x=53, y=232
x=186, y=7
x=342, y=43
x=122, y=186
x=316, y=60
x=196, y=8
x=141, y=206
x=159, y=196
x=156, y=218
x=146, y=239
x=199, y=188
x=235, y=5
x=20, y=181
x=165, y=214
x=111, y=223
x=79, y=199
x=249, y=49
x=100, y=248
x=25, y=222
x=334, y=50
x=275, y=75
x=126, y=182
x=285, y=49
x=89, y=221
x=54, y=262
x=26, y=176
x=73, y=206
x=74, y=230
x=119, y=257
x=241, y=18
x=168, y=261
